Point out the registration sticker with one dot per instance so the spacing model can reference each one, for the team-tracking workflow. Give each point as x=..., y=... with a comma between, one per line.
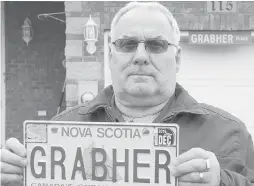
x=100, y=154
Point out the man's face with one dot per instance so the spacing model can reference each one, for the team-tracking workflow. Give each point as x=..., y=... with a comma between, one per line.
x=142, y=73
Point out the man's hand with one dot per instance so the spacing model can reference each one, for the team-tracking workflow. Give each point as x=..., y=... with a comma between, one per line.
x=197, y=166
x=13, y=160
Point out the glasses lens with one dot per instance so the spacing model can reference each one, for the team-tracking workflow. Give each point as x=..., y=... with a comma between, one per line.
x=126, y=45
x=157, y=46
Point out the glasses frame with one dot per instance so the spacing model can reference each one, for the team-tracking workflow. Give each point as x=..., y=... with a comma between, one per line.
x=144, y=41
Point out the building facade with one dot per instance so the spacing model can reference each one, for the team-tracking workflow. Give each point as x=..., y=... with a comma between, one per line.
x=216, y=40
x=217, y=60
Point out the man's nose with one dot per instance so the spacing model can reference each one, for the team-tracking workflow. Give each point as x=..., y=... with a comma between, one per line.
x=141, y=56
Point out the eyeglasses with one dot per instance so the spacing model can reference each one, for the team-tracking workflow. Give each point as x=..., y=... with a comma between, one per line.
x=155, y=46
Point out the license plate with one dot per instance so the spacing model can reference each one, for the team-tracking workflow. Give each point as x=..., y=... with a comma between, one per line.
x=100, y=154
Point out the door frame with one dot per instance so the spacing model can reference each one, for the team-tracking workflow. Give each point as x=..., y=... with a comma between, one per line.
x=2, y=69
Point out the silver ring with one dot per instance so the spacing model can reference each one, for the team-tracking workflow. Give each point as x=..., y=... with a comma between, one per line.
x=208, y=165
x=201, y=176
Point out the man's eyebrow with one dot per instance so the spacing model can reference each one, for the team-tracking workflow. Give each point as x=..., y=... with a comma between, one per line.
x=128, y=37
x=155, y=37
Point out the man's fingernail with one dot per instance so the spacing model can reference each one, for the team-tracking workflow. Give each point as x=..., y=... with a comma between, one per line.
x=173, y=170
x=21, y=178
x=24, y=161
x=24, y=153
x=173, y=162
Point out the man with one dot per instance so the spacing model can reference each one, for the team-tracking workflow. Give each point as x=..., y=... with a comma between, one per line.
x=215, y=147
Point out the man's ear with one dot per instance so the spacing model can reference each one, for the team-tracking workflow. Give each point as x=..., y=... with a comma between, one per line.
x=109, y=52
x=109, y=47
x=178, y=58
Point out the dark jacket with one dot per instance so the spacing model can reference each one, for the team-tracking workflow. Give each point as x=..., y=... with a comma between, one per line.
x=201, y=125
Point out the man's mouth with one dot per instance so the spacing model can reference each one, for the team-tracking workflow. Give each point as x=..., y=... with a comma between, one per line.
x=140, y=74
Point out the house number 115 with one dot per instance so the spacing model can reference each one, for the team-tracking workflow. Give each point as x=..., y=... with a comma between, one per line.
x=221, y=6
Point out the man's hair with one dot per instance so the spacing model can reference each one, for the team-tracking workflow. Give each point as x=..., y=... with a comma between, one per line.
x=149, y=5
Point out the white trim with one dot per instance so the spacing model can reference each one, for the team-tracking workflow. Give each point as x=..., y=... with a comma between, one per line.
x=107, y=74
x=185, y=34
x=2, y=69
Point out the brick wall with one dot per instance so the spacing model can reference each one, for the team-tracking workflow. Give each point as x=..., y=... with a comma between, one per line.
x=189, y=15
x=34, y=73
x=193, y=15
x=83, y=71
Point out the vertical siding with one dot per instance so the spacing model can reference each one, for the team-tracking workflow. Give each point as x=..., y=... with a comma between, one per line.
x=222, y=76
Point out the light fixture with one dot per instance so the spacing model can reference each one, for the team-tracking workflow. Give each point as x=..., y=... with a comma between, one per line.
x=27, y=31
x=91, y=33
x=86, y=97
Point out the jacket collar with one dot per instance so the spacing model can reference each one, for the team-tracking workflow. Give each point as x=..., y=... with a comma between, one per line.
x=182, y=102
x=102, y=100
